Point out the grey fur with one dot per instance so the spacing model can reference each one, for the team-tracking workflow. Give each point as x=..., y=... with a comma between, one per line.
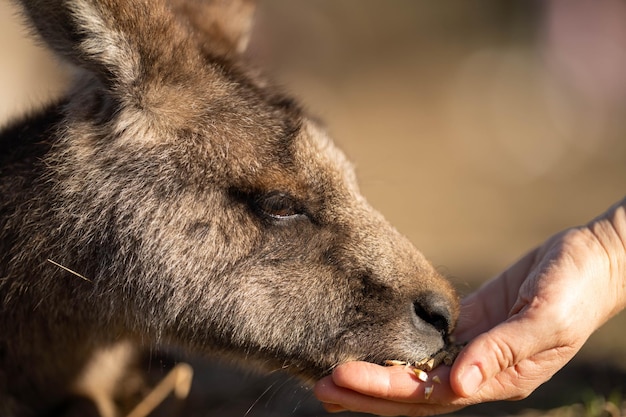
x=203, y=206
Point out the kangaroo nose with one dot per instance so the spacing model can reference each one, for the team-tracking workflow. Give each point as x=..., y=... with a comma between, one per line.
x=436, y=310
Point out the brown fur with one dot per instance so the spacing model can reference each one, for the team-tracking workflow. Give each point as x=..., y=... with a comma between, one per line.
x=204, y=207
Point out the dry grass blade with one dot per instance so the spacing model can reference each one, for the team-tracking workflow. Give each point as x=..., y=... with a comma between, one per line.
x=69, y=270
x=177, y=381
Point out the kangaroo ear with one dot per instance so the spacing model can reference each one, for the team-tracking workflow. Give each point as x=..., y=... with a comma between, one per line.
x=224, y=26
x=124, y=42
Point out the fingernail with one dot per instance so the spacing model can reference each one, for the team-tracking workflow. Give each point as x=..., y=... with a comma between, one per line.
x=471, y=380
x=333, y=408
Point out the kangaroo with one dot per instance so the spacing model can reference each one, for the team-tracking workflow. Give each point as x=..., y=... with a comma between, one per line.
x=174, y=196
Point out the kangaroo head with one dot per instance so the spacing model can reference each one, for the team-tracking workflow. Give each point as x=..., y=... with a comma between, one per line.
x=208, y=209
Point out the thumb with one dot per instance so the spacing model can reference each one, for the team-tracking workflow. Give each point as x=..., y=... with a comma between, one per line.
x=495, y=351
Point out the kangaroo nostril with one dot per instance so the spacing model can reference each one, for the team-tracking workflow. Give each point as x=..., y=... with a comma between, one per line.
x=434, y=310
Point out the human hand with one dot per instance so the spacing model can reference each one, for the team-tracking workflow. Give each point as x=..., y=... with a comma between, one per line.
x=523, y=326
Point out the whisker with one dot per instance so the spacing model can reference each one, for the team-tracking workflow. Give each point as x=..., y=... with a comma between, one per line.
x=259, y=398
x=283, y=381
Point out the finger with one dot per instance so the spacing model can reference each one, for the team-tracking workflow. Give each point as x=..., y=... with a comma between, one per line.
x=498, y=350
x=396, y=383
x=337, y=398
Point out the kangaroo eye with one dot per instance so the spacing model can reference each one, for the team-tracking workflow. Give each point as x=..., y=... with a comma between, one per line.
x=278, y=205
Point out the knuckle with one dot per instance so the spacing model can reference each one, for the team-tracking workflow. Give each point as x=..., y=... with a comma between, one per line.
x=502, y=352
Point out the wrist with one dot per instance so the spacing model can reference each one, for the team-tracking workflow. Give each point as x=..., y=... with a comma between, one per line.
x=610, y=231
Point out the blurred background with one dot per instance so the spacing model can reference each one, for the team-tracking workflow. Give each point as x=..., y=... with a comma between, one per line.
x=477, y=128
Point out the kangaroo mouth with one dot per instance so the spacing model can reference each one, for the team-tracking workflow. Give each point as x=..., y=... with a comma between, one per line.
x=445, y=356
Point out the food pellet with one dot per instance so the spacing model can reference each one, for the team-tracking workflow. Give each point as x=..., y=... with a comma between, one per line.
x=430, y=365
x=393, y=362
x=421, y=375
